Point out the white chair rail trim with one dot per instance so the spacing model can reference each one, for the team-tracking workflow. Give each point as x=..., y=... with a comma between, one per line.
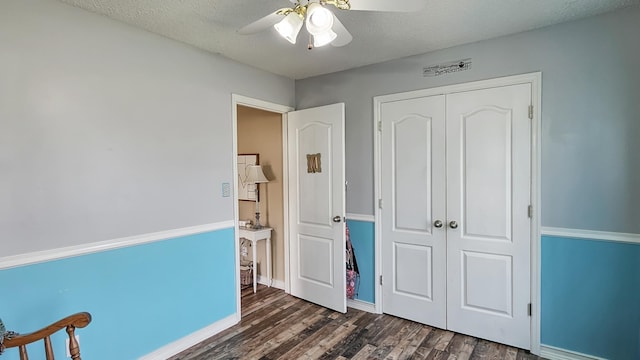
x=591, y=235
x=36, y=257
x=361, y=217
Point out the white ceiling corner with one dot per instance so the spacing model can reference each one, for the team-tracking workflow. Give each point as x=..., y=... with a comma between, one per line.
x=212, y=25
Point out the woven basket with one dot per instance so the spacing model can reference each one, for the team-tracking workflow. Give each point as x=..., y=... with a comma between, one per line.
x=246, y=276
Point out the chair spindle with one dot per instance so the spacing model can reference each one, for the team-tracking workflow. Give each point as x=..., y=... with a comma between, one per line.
x=48, y=350
x=74, y=347
x=23, y=353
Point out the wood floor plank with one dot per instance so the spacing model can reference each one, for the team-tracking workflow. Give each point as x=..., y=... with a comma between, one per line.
x=275, y=325
x=390, y=343
x=318, y=350
x=525, y=355
x=407, y=333
x=364, y=352
x=242, y=339
x=390, y=326
x=434, y=338
x=443, y=341
x=511, y=354
x=277, y=338
x=353, y=342
x=366, y=335
x=292, y=342
x=416, y=340
x=319, y=336
x=289, y=344
x=273, y=337
x=488, y=350
x=500, y=352
x=436, y=354
x=387, y=344
x=461, y=346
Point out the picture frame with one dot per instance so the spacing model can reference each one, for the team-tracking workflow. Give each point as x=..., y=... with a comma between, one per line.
x=246, y=192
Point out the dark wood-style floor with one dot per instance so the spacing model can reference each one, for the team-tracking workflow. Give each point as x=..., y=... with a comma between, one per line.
x=279, y=326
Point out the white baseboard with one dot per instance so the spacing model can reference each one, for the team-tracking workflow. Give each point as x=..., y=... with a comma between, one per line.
x=278, y=284
x=361, y=305
x=554, y=353
x=86, y=249
x=591, y=235
x=188, y=341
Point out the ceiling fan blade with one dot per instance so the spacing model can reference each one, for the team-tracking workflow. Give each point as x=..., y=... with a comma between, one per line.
x=388, y=5
x=261, y=24
x=344, y=37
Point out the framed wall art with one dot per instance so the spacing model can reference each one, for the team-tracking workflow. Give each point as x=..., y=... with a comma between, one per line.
x=246, y=192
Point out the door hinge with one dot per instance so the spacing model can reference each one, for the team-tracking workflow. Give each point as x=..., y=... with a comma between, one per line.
x=531, y=112
x=529, y=309
x=530, y=211
x=380, y=279
x=379, y=125
x=380, y=203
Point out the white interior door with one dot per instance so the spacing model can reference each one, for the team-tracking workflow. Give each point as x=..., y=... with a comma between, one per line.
x=317, y=205
x=413, y=189
x=488, y=195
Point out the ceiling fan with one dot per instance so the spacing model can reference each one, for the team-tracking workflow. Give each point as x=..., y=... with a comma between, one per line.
x=322, y=25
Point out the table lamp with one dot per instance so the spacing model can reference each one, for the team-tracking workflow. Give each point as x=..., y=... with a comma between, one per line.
x=255, y=175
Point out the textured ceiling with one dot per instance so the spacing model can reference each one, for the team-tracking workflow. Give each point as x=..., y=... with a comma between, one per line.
x=377, y=36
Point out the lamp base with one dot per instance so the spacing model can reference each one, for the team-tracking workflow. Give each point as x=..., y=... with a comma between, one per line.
x=257, y=225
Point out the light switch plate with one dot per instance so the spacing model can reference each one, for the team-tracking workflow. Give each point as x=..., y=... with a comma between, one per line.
x=226, y=189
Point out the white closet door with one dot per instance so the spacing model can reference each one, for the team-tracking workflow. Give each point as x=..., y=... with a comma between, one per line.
x=488, y=194
x=413, y=189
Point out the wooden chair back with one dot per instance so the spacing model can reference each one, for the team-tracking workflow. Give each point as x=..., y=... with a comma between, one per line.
x=70, y=323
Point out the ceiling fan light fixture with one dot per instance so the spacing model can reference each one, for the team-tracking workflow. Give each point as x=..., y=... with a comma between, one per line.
x=290, y=26
x=324, y=38
x=319, y=19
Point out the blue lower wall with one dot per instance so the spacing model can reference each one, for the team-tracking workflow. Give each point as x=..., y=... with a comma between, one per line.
x=141, y=297
x=591, y=297
x=363, y=241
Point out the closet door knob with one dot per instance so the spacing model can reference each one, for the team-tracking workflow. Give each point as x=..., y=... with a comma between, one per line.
x=337, y=219
x=453, y=225
x=437, y=224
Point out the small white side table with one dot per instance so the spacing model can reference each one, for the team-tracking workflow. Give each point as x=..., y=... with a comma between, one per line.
x=255, y=235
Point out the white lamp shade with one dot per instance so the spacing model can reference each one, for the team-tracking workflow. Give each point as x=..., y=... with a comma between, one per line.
x=319, y=19
x=289, y=27
x=255, y=175
x=324, y=38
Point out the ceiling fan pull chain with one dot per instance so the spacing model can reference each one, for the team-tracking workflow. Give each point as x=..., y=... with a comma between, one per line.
x=310, y=46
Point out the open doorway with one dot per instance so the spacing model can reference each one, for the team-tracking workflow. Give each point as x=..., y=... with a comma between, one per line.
x=316, y=197
x=260, y=137
x=259, y=133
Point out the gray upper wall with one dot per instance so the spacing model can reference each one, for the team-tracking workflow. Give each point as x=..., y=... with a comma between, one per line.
x=109, y=131
x=590, y=113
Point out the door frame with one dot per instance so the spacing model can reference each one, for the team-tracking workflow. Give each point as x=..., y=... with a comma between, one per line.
x=274, y=108
x=535, y=79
